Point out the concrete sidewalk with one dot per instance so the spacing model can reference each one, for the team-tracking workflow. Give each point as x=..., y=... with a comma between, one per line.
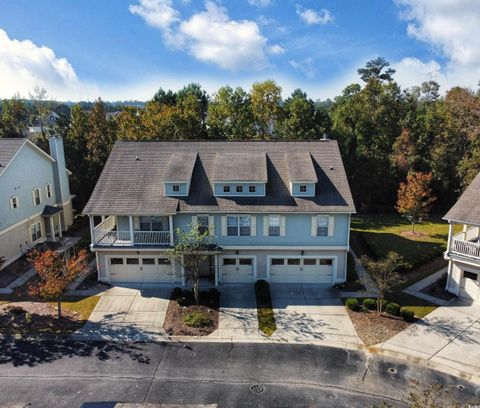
x=449, y=336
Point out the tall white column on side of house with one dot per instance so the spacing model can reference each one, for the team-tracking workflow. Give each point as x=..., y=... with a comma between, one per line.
x=130, y=223
x=52, y=229
x=170, y=224
x=216, y=269
x=92, y=229
x=60, y=225
x=450, y=235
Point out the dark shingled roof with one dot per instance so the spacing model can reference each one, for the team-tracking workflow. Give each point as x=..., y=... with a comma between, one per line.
x=467, y=208
x=300, y=167
x=240, y=166
x=48, y=211
x=130, y=186
x=180, y=167
x=8, y=149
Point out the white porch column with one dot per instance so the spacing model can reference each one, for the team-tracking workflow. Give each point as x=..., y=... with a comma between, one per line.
x=450, y=235
x=170, y=224
x=130, y=222
x=52, y=229
x=60, y=234
x=216, y=269
x=92, y=229
x=183, y=274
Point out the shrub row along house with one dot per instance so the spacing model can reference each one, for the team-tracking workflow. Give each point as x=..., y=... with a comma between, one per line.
x=463, y=250
x=278, y=211
x=35, y=200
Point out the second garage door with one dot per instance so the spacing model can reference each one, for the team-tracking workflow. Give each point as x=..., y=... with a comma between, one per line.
x=237, y=270
x=140, y=270
x=302, y=270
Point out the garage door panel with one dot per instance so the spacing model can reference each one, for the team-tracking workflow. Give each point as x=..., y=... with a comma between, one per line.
x=140, y=270
x=309, y=270
x=237, y=270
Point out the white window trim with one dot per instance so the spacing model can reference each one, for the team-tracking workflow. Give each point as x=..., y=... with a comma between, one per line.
x=331, y=226
x=253, y=225
x=48, y=191
x=39, y=196
x=12, y=198
x=40, y=230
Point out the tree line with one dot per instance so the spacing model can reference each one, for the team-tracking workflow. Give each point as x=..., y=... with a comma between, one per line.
x=385, y=132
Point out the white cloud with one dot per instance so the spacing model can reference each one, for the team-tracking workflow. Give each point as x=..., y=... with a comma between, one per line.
x=276, y=49
x=451, y=28
x=24, y=65
x=211, y=35
x=412, y=72
x=306, y=67
x=311, y=17
x=260, y=3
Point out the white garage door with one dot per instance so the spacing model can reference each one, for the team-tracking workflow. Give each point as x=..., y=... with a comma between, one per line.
x=147, y=269
x=470, y=286
x=236, y=270
x=301, y=270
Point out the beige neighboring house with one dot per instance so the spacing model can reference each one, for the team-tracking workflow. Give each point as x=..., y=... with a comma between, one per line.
x=463, y=250
x=35, y=199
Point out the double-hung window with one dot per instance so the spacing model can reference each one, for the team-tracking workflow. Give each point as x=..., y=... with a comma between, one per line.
x=48, y=191
x=13, y=202
x=239, y=189
x=303, y=188
x=274, y=225
x=202, y=224
x=36, y=231
x=37, y=200
x=322, y=226
x=176, y=188
x=238, y=225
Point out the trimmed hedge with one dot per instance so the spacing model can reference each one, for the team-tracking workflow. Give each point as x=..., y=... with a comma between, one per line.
x=407, y=314
x=352, y=304
x=370, y=304
x=393, y=308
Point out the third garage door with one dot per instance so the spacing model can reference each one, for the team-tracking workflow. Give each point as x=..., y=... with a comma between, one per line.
x=301, y=270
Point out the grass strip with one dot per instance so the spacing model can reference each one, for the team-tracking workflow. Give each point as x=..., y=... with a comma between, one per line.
x=266, y=317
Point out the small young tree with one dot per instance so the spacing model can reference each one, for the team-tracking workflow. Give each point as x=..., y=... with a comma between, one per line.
x=384, y=273
x=192, y=251
x=55, y=273
x=415, y=197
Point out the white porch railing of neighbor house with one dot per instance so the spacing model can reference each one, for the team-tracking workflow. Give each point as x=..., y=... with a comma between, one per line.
x=124, y=238
x=466, y=248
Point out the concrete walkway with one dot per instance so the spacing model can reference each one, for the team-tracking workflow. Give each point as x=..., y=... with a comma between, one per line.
x=370, y=287
x=416, y=288
x=17, y=282
x=311, y=312
x=449, y=336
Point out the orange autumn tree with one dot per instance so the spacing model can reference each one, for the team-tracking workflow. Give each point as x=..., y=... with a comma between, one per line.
x=55, y=274
x=415, y=198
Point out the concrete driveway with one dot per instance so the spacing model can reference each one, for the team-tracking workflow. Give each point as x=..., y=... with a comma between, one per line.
x=128, y=314
x=310, y=312
x=450, y=336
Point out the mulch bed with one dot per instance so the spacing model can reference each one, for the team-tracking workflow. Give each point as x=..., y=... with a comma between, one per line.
x=374, y=329
x=36, y=317
x=209, y=305
x=14, y=271
x=437, y=289
x=91, y=282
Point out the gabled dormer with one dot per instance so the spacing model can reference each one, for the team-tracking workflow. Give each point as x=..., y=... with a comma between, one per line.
x=240, y=174
x=301, y=174
x=178, y=174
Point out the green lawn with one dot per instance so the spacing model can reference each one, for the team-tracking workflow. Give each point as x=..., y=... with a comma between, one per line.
x=82, y=305
x=376, y=235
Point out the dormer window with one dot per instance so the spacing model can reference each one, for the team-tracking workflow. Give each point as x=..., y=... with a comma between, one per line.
x=239, y=189
x=303, y=188
x=251, y=189
x=226, y=189
x=176, y=188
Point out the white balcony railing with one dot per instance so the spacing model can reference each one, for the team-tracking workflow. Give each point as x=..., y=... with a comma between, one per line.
x=124, y=238
x=466, y=248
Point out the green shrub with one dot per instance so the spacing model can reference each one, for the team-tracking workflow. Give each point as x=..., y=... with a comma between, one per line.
x=370, y=304
x=84, y=243
x=407, y=314
x=182, y=301
x=393, y=308
x=352, y=304
x=197, y=319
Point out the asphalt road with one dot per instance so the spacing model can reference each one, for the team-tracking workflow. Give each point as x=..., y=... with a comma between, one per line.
x=75, y=374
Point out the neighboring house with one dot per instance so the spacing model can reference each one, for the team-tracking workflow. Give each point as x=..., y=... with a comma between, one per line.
x=279, y=211
x=35, y=129
x=463, y=249
x=35, y=200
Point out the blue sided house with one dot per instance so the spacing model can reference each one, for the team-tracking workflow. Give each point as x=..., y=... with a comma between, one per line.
x=278, y=211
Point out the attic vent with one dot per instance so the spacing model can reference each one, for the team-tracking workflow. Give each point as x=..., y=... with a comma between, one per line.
x=332, y=168
x=137, y=158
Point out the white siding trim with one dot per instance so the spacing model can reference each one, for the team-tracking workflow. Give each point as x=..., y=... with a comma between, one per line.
x=283, y=222
x=331, y=225
x=313, y=231
x=253, y=226
x=211, y=225
x=265, y=225
x=224, y=225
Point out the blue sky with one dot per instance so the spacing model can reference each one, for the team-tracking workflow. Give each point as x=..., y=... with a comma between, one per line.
x=118, y=49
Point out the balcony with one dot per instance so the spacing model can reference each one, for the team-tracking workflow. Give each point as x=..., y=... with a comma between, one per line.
x=115, y=232
x=466, y=244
